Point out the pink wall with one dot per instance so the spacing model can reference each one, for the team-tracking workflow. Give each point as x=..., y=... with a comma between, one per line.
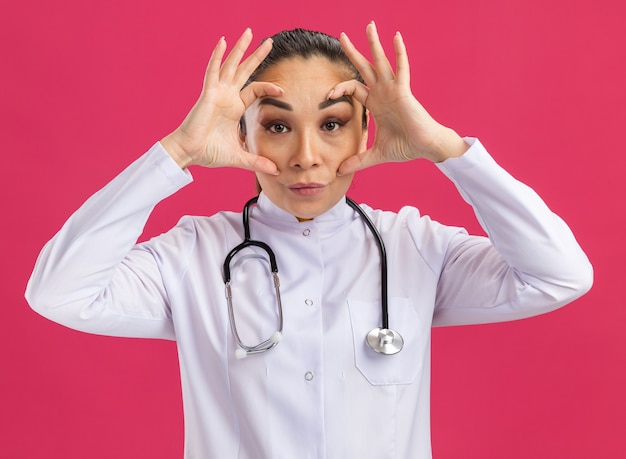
x=86, y=87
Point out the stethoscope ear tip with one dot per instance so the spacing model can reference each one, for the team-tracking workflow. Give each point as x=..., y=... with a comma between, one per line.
x=241, y=354
x=276, y=337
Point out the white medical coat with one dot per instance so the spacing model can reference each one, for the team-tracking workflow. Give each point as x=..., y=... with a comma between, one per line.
x=321, y=393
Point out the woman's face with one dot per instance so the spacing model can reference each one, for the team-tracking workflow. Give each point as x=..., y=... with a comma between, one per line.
x=306, y=135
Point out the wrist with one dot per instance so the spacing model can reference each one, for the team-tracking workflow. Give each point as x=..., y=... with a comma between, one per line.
x=176, y=152
x=451, y=146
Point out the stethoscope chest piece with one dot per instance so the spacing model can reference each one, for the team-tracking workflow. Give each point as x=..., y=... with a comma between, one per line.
x=385, y=341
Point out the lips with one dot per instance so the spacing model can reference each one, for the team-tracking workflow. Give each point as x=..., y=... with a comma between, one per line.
x=306, y=189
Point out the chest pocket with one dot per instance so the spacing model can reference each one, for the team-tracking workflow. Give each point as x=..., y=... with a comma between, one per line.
x=380, y=369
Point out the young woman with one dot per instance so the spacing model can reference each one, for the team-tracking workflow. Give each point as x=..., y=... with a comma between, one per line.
x=338, y=349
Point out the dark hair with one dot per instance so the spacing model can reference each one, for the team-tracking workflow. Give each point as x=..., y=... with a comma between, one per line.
x=305, y=44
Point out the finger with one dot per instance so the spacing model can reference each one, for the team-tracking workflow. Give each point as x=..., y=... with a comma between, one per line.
x=403, y=73
x=234, y=58
x=364, y=67
x=357, y=162
x=352, y=88
x=211, y=75
x=258, y=89
x=252, y=62
x=381, y=63
x=256, y=163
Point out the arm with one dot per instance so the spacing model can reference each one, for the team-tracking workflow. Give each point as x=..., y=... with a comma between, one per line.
x=91, y=276
x=531, y=262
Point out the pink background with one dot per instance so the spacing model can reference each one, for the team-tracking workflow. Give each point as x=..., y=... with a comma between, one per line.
x=86, y=87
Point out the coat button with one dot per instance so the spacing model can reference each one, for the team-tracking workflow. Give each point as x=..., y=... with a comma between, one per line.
x=306, y=232
x=308, y=376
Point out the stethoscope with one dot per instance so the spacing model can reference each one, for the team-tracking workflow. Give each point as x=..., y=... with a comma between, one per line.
x=382, y=339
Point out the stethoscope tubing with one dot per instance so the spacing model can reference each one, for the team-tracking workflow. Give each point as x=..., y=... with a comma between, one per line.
x=382, y=339
x=273, y=340
x=383, y=261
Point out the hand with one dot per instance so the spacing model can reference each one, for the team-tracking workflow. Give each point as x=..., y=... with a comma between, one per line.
x=404, y=129
x=209, y=135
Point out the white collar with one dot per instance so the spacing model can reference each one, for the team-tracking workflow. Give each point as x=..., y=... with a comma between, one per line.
x=269, y=213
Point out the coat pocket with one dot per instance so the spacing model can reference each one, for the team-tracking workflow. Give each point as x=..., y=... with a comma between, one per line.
x=380, y=369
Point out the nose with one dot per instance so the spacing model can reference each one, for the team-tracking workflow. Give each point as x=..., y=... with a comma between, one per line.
x=306, y=151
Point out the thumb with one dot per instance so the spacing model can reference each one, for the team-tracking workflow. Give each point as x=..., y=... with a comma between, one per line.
x=256, y=163
x=358, y=162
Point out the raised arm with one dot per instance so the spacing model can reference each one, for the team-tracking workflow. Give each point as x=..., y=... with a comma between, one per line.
x=91, y=276
x=531, y=262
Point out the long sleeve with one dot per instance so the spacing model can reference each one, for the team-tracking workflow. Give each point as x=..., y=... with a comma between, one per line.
x=75, y=271
x=531, y=262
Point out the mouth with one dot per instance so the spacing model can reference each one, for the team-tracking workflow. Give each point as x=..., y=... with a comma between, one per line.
x=306, y=189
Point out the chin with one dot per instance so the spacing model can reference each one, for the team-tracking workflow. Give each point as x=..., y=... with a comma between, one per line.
x=309, y=212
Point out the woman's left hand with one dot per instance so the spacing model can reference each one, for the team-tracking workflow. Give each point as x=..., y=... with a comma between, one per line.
x=404, y=129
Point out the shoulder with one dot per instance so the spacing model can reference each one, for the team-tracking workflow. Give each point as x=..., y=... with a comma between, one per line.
x=410, y=228
x=408, y=218
x=216, y=222
x=192, y=230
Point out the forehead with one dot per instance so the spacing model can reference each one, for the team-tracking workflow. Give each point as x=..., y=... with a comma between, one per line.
x=315, y=70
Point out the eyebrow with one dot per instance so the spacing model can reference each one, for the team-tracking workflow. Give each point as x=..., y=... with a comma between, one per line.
x=275, y=103
x=322, y=105
x=329, y=102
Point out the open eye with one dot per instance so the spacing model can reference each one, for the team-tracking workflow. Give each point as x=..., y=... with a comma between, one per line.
x=331, y=125
x=277, y=128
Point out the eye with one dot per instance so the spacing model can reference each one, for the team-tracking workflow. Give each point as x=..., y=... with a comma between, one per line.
x=331, y=125
x=277, y=128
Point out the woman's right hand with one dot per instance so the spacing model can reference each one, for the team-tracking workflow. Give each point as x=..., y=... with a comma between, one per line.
x=209, y=135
